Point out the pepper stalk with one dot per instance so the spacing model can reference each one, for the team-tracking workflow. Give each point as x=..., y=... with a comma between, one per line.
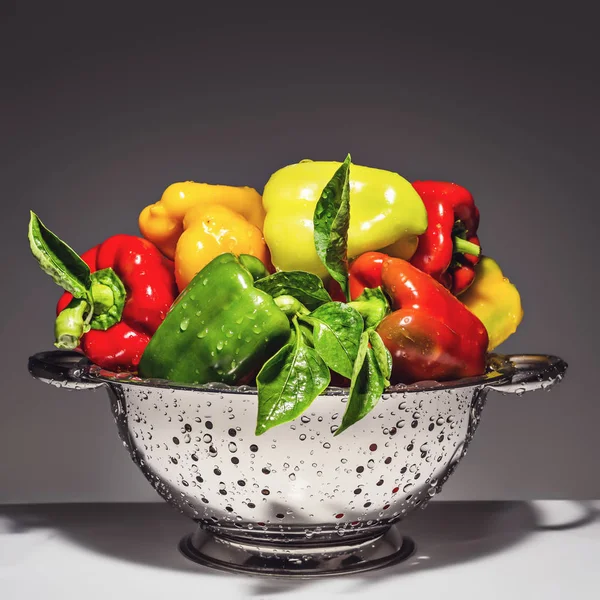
x=290, y=306
x=372, y=305
x=460, y=243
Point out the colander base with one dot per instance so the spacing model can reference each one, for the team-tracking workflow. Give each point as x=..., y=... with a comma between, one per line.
x=296, y=559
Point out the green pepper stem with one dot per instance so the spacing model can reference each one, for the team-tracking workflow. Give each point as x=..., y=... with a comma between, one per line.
x=254, y=266
x=372, y=311
x=71, y=324
x=290, y=306
x=103, y=297
x=462, y=246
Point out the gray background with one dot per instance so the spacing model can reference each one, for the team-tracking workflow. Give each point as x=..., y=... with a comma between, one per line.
x=101, y=112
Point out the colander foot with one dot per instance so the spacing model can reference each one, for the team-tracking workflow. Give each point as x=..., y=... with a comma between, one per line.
x=296, y=559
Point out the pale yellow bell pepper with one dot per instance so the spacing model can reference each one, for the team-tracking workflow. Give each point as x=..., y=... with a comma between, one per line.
x=386, y=212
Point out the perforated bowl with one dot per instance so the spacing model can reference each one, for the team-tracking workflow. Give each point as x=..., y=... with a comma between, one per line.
x=296, y=501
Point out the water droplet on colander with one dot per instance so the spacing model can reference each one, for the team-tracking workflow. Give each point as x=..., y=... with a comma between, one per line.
x=302, y=437
x=305, y=419
x=232, y=447
x=400, y=424
x=187, y=438
x=207, y=438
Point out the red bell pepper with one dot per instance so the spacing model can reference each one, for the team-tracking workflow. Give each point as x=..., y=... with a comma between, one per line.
x=430, y=333
x=449, y=249
x=149, y=281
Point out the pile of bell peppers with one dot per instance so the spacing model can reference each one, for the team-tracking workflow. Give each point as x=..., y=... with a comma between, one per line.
x=336, y=274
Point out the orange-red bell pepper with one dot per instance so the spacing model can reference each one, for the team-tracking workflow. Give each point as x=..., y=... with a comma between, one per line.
x=430, y=333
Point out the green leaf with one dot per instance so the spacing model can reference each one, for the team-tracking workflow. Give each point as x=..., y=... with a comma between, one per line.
x=382, y=355
x=305, y=287
x=331, y=221
x=108, y=293
x=373, y=305
x=289, y=382
x=336, y=335
x=366, y=386
x=58, y=260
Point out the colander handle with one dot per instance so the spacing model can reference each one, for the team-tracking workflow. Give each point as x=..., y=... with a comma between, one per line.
x=531, y=372
x=62, y=368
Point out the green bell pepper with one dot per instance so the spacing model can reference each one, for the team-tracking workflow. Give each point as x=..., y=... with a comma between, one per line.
x=220, y=329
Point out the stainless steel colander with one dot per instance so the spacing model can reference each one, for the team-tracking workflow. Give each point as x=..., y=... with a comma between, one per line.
x=296, y=501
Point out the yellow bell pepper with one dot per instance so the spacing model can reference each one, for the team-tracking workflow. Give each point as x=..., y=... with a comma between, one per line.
x=210, y=230
x=386, y=212
x=495, y=301
x=162, y=222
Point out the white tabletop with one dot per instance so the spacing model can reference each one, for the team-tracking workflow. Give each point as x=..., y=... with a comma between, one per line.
x=482, y=550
